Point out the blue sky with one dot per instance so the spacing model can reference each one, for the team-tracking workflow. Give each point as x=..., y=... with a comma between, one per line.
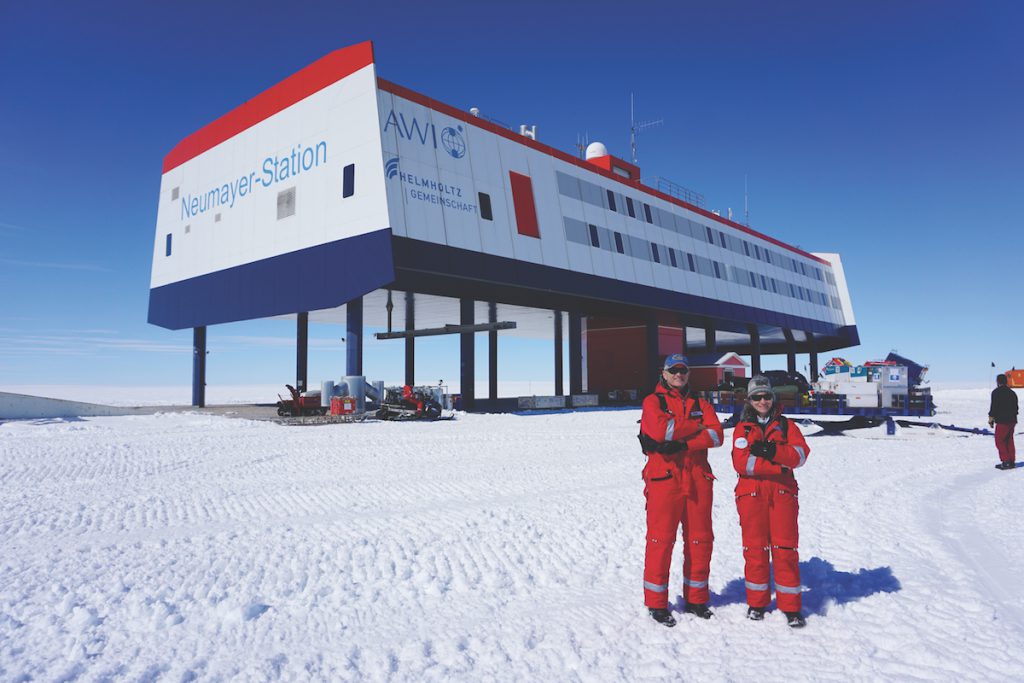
x=889, y=132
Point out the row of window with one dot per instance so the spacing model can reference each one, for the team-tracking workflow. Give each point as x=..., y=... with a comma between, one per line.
x=588, y=234
x=590, y=193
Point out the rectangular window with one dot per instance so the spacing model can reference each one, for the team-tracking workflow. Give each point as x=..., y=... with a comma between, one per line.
x=672, y=257
x=618, y=243
x=753, y=280
x=611, y=200
x=654, y=252
x=746, y=247
x=629, y=207
x=768, y=256
x=525, y=209
x=711, y=235
x=168, y=245
x=775, y=287
x=484, y=201
x=348, y=181
x=647, y=213
x=764, y=283
x=717, y=273
x=593, y=236
x=721, y=239
x=689, y=260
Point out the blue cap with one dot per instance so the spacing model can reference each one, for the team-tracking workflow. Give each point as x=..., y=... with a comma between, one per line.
x=676, y=359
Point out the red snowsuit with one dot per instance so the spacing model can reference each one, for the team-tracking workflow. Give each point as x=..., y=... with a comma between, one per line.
x=678, y=488
x=766, y=498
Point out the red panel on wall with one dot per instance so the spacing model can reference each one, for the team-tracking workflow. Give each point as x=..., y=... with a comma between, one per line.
x=522, y=198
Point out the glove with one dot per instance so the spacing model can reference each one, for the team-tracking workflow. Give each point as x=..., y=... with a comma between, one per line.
x=763, y=449
x=991, y=422
x=670, y=447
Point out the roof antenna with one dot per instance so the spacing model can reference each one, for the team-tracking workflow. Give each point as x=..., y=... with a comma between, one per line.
x=636, y=126
x=581, y=144
x=746, y=203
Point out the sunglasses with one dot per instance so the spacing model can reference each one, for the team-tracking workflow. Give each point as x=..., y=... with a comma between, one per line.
x=761, y=397
x=678, y=370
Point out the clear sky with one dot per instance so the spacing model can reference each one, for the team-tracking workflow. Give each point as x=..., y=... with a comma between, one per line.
x=890, y=132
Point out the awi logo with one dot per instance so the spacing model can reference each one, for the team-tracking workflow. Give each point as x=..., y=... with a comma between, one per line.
x=453, y=142
x=391, y=168
x=452, y=138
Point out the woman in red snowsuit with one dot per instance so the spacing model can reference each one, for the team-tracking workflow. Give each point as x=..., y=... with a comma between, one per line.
x=675, y=432
x=766, y=449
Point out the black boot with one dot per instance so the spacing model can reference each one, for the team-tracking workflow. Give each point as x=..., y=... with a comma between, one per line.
x=1006, y=466
x=662, y=616
x=698, y=610
x=755, y=613
x=795, y=619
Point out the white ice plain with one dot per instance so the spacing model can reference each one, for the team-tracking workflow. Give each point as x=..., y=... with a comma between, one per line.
x=187, y=546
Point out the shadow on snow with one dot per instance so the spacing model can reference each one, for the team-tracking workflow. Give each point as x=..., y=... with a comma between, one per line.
x=824, y=585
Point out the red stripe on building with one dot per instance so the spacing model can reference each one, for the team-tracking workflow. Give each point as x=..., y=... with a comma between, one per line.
x=522, y=199
x=300, y=85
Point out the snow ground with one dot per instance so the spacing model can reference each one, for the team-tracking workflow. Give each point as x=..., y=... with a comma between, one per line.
x=186, y=546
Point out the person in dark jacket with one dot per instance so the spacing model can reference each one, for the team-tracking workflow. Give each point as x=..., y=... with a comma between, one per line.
x=1002, y=414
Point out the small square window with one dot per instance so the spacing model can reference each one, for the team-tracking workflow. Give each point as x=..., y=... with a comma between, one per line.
x=216, y=218
x=175, y=193
x=188, y=228
x=286, y=203
x=485, y=206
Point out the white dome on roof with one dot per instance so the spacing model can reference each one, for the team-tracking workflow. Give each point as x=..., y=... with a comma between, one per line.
x=595, y=150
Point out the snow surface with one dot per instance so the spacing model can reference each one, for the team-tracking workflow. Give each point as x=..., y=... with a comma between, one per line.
x=189, y=546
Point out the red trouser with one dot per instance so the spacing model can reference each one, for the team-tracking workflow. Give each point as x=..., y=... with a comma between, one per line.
x=1004, y=442
x=676, y=496
x=768, y=517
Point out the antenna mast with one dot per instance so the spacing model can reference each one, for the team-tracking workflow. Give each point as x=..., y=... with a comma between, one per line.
x=746, y=203
x=636, y=126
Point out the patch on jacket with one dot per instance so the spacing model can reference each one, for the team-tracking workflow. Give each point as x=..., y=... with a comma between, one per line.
x=741, y=442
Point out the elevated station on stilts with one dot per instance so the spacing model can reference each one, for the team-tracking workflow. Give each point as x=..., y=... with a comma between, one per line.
x=338, y=196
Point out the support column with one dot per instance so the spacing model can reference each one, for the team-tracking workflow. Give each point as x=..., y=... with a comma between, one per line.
x=354, y=337
x=410, y=342
x=301, y=350
x=651, y=343
x=812, y=343
x=755, y=350
x=199, y=366
x=682, y=328
x=710, y=343
x=467, y=357
x=790, y=350
x=559, y=386
x=575, y=353
x=492, y=353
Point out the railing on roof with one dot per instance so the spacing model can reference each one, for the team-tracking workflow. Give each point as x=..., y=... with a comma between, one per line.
x=676, y=190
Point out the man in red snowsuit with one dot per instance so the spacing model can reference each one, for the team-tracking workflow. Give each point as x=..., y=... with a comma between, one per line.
x=675, y=432
x=766, y=448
